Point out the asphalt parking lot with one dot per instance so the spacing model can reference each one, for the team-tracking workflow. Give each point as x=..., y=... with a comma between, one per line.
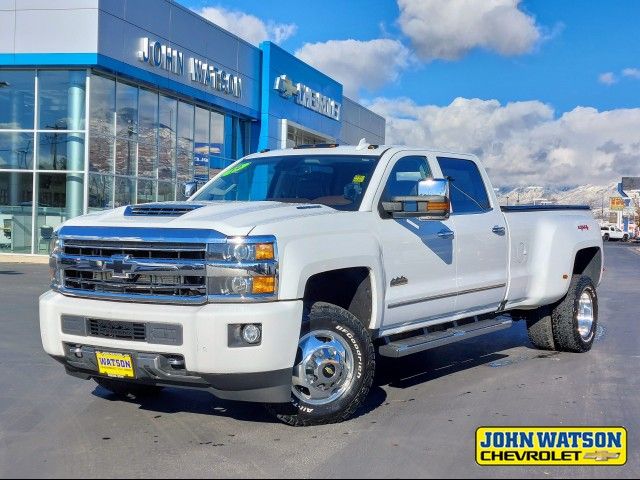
x=419, y=420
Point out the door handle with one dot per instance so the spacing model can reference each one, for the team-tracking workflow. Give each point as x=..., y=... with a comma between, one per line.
x=446, y=234
x=498, y=230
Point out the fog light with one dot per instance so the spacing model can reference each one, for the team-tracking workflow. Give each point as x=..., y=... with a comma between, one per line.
x=251, y=334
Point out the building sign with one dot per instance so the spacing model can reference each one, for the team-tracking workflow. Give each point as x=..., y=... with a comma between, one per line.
x=616, y=204
x=162, y=56
x=630, y=184
x=307, y=97
x=172, y=60
x=215, y=78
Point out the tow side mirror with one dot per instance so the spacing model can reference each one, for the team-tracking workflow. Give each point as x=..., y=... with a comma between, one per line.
x=190, y=188
x=431, y=203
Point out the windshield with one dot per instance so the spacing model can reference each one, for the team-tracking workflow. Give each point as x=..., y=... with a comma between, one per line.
x=338, y=181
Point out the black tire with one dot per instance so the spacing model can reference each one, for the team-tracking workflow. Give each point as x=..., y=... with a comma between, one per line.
x=122, y=388
x=566, y=336
x=540, y=329
x=606, y=237
x=338, y=321
x=625, y=238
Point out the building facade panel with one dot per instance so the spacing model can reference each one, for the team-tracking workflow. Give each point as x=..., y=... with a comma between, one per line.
x=56, y=31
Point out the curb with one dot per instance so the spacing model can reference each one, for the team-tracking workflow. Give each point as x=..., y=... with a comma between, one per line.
x=32, y=259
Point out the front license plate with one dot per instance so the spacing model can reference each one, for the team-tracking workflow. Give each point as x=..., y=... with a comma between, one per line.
x=117, y=365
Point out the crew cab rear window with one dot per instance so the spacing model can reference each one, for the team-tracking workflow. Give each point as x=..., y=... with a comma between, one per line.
x=468, y=192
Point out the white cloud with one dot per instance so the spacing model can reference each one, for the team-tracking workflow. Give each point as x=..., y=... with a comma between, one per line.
x=358, y=64
x=607, y=78
x=448, y=29
x=522, y=143
x=249, y=27
x=631, y=72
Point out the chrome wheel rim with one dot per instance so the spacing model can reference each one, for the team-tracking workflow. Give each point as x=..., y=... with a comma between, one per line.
x=585, y=316
x=325, y=370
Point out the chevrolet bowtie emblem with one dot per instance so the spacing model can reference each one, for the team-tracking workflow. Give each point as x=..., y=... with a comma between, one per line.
x=121, y=266
x=285, y=87
x=601, y=456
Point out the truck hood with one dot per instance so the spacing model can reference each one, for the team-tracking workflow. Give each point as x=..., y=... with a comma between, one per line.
x=228, y=218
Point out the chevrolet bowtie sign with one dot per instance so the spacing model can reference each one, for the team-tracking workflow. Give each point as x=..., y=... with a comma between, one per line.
x=307, y=97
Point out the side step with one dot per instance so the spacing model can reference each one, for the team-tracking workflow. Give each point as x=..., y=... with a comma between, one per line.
x=407, y=346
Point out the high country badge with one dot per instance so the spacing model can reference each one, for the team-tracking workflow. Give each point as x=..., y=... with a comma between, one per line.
x=556, y=446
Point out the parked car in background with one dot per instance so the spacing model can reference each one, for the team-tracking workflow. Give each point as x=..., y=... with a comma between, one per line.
x=611, y=232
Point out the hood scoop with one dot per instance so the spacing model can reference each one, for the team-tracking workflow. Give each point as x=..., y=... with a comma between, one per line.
x=161, y=209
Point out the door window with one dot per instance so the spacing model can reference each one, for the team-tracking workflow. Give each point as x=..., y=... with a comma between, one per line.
x=404, y=178
x=468, y=192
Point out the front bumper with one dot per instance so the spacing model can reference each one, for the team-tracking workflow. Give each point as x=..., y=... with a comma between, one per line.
x=258, y=373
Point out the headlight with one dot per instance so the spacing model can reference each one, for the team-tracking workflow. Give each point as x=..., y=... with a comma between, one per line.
x=242, y=269
x=55, y=247
x=241, y=250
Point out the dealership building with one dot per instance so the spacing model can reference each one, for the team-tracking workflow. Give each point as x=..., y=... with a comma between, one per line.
x=105, y=103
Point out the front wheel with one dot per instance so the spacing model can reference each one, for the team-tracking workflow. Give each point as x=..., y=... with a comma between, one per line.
x=625, y=238
x=333, y=370
x=606, y=237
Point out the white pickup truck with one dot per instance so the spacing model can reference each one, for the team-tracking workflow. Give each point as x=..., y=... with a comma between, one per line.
x=611, y=232
x=281, y=279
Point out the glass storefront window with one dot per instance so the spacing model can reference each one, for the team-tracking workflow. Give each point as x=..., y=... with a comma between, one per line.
x=216, y=135
x=148, y=117
x=126, y=110
x=61, y=99
x=125, y=190
x=147, y=155
x=168, y=120
x=166, y=164
x=101, y=153
x=16, y=209
x=166, y=191
x=185, y=126
x=167, y=129
x=102, y=118
x=60, y=197
x=126, y=153
x=142, y=146
x=17, y=99
x=100, y=192
x=61, y=151
x=202, y=146
x=16, y=150
x=146, y=191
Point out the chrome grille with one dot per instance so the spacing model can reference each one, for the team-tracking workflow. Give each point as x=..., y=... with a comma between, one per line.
x=136, y=271
x=169, y=251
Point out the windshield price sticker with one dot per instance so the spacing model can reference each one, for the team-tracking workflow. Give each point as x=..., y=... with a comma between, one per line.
x=556, y=446
x=359, y=179
x=236, y=169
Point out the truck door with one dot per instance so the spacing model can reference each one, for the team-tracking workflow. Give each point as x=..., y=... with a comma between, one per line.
x=481, y=238
x=418, y=256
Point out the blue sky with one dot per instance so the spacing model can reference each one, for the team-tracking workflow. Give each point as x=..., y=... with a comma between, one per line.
x=583, y=40
x=545, y=92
